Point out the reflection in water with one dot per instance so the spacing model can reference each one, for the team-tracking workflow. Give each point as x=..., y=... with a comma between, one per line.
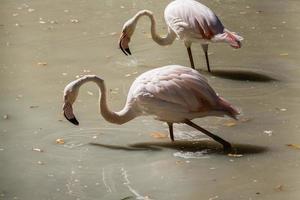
x=188, y=146
x=243, y=75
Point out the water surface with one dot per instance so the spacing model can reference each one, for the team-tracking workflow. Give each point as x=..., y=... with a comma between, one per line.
x=46, y=44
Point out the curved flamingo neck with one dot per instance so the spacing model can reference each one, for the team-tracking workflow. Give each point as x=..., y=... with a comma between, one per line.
x=121, y=117
x=167, y=40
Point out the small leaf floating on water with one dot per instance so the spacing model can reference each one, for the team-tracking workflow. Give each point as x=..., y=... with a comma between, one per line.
x=37, y=149
x=295, y=146
x=279, y=188
x=33, y=106
x=158, y=135
x=179, y=162
x=5, y=116
x=230, y=123
x=60, y=141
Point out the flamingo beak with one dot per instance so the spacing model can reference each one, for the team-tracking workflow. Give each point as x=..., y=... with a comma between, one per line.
x=120, y=45
x=72, y=120
x=123, y=43
x=68, y=113
x=128, y=51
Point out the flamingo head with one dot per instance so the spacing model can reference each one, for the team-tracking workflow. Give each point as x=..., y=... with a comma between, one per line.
x=70, y=95
x=125, y=36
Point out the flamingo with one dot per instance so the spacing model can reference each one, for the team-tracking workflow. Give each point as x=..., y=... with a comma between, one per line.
x=187, y=20
x=172, y=94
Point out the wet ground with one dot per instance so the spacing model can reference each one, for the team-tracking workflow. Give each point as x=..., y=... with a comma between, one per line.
x=46, y=44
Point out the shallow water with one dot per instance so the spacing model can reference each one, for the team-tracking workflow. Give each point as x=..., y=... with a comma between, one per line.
x=45, y=45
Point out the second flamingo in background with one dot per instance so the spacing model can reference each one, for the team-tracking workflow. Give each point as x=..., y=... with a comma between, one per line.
x=187, y=20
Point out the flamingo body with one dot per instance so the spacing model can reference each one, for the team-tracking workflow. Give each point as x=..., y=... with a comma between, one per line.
x=192, y=21
x=173, y=94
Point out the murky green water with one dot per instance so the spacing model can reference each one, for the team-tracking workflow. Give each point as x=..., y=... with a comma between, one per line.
x=46, y=44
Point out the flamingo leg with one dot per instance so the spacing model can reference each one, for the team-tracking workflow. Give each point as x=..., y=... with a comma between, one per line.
x=171, y=131
x=226, y=145
x=191, y=57
x=205, y=49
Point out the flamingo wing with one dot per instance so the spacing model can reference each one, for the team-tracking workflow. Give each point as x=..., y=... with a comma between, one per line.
x=173, y=88
x=191, y=19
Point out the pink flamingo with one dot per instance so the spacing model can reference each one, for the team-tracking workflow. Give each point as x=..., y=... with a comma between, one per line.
x=172, y=94
x=187, y=20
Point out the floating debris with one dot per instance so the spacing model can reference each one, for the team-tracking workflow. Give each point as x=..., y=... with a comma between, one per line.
x=37, y=149
x=279, y=188
x=213, y=198
x=243, y=120
x=30, y=10
x=281, y=109
x=33, y=106
x=268, y=132
x=53, y=22
x=90, y=93
x=42, y=64
x=230, y=123
x=235, y=155
x=295, y=146
x=40, y=162
x=42, y=22
x=5, y=116
x=284, y=54
x=60, y=141
x=127, y=75
x=178, y=162
x=64, y=74
x=191, y=155
x=75, y=21
x=15, y=14
x=158, y=135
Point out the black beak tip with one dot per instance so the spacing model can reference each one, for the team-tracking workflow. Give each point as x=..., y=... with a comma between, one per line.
x=72, y=120
x=122, y=48
x=128, y=51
